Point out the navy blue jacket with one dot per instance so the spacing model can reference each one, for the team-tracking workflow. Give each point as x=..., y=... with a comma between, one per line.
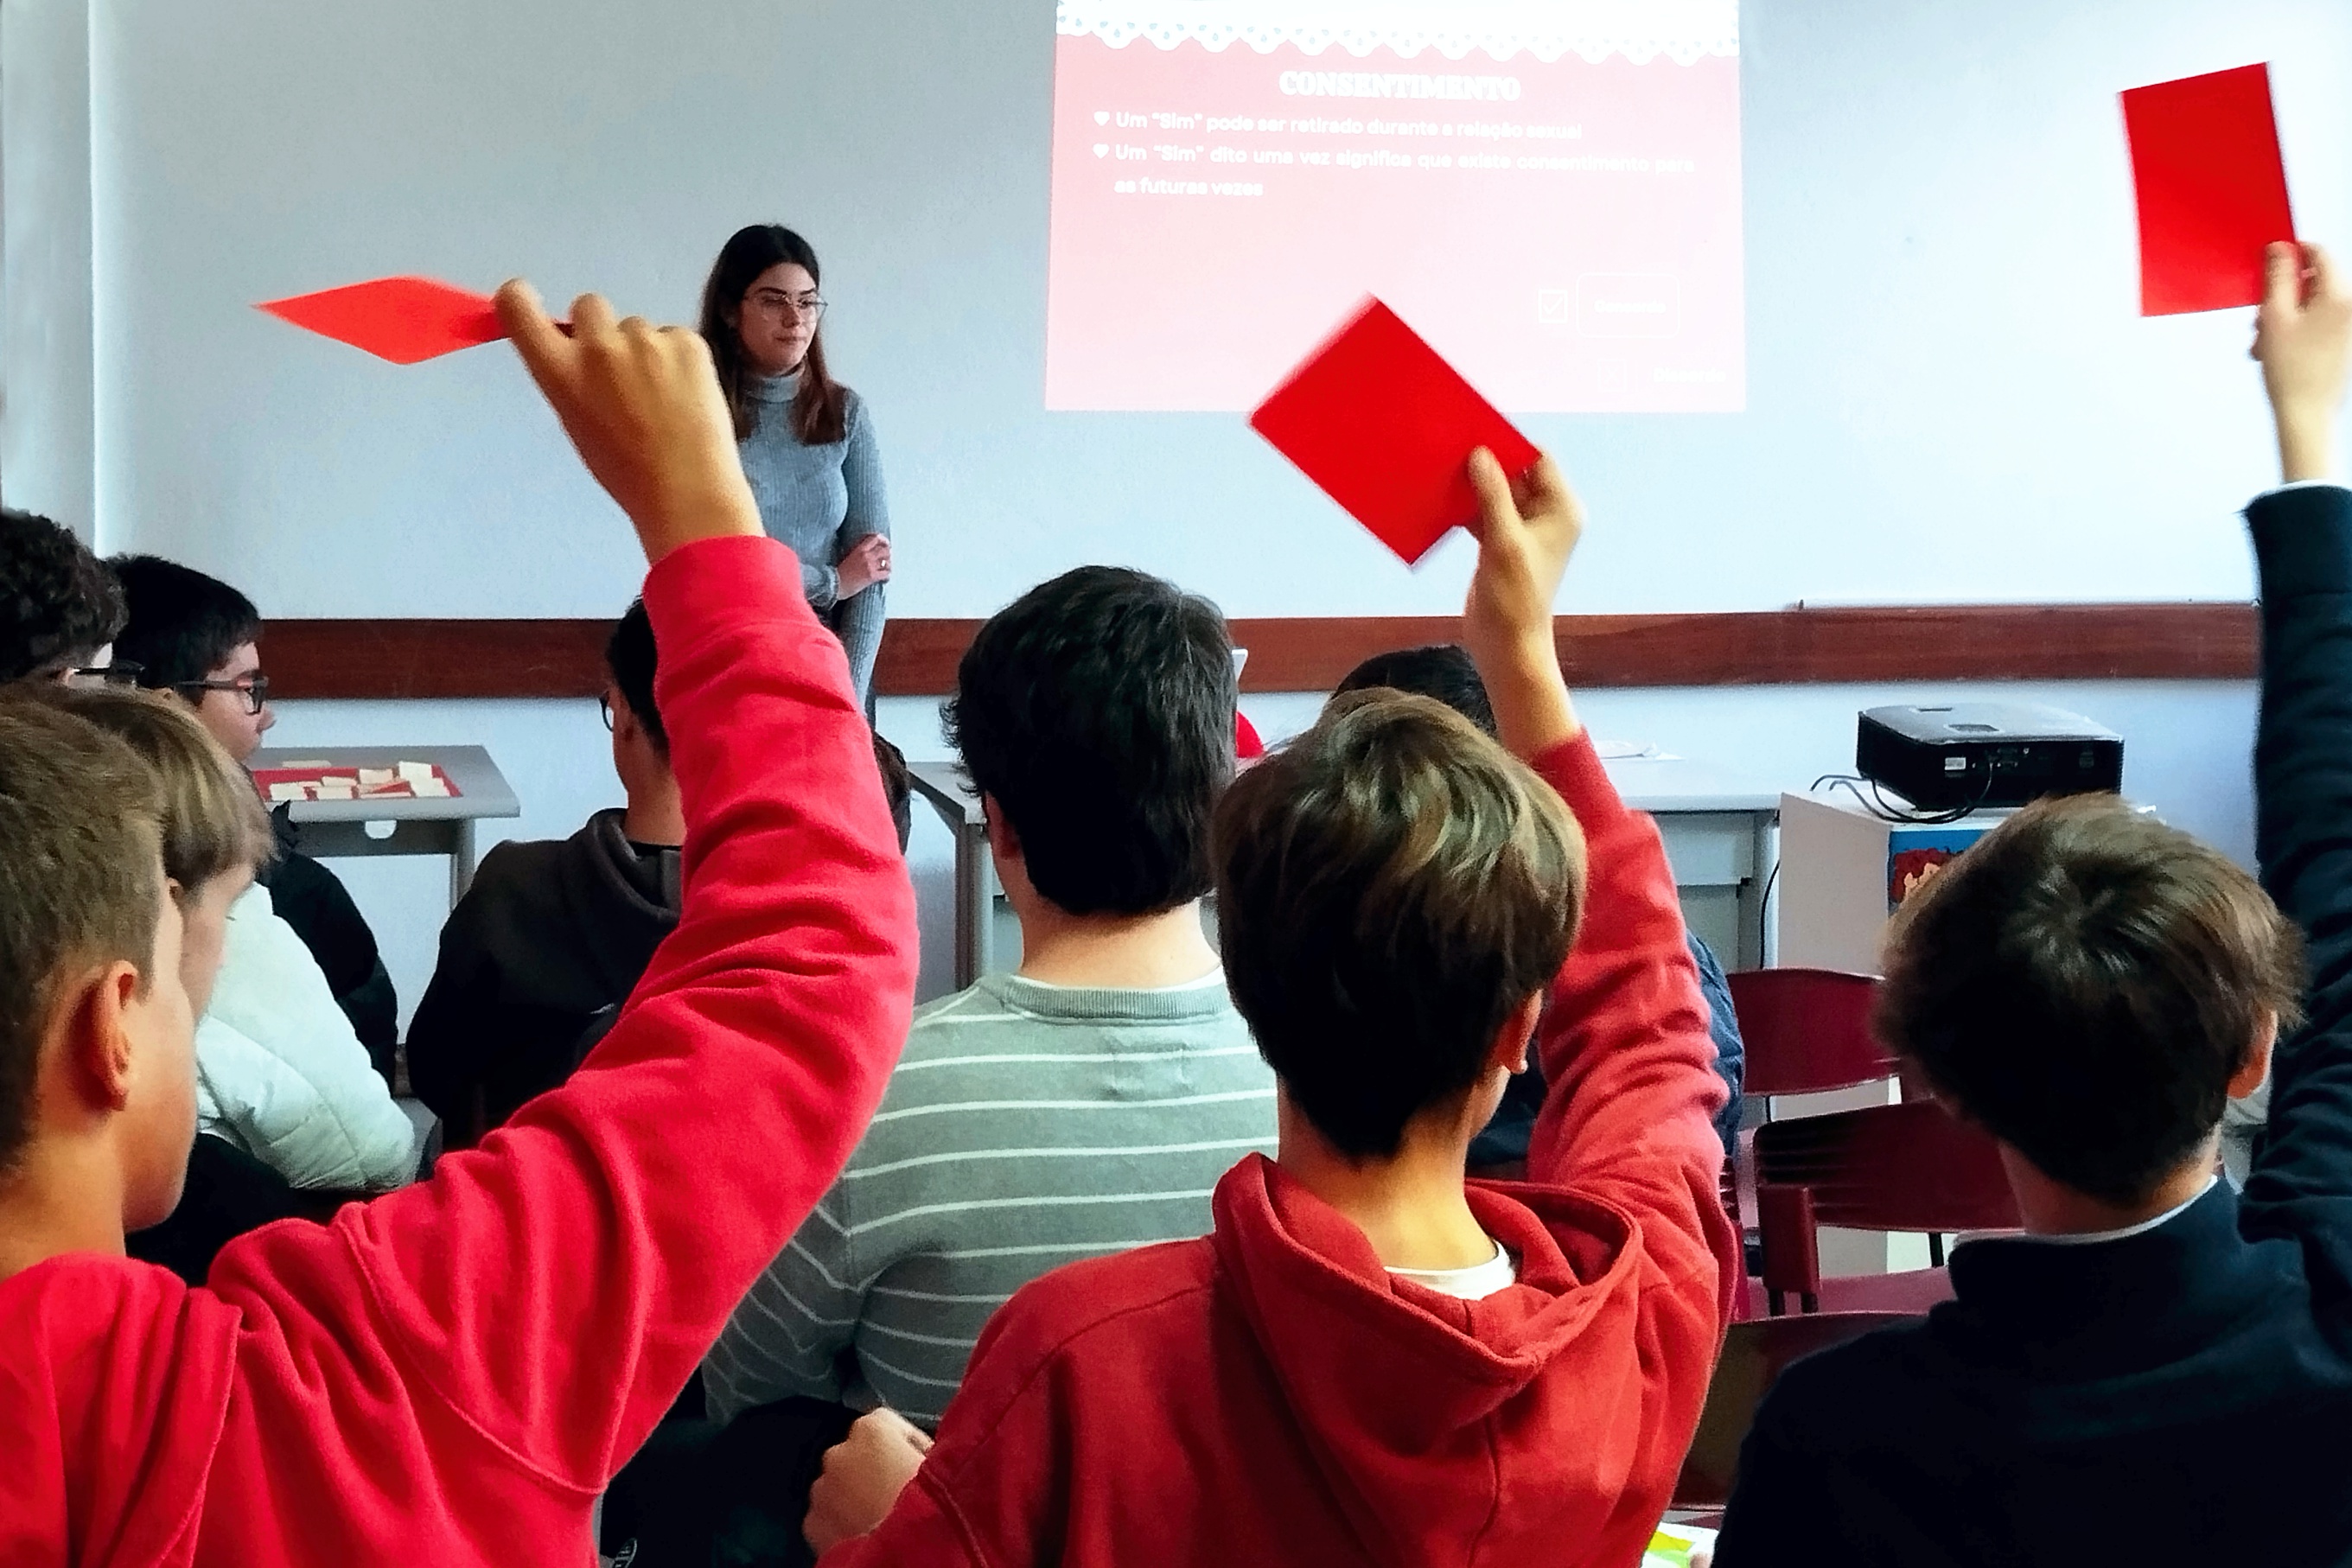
x=2183, y=1395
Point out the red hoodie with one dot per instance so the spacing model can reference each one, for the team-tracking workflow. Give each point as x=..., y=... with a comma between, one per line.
x=1271, y=1393
x=450, y=1375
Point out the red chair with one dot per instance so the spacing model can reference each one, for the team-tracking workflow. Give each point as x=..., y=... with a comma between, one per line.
x=1754, y=1356
x=1805, y=1031
x=1908, y=1167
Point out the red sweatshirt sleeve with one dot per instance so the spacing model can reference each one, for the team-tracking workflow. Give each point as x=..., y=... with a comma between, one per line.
x=1624, y=1043
x=552, y=1292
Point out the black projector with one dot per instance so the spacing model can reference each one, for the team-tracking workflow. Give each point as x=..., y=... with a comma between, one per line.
x=1986, y=753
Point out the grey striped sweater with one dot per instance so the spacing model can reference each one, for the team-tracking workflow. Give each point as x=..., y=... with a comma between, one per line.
x=1027, y=1126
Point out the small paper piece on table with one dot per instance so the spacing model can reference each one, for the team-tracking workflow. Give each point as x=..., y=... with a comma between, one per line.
x=1386, y=427
x=2211, y=189
x=416, y=772
x=369, y=778
x=281, y=792
x=404, y=319
x=429, y=789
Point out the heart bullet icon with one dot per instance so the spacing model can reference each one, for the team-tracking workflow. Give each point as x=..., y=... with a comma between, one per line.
x=1102, y=117
x=1102, y=149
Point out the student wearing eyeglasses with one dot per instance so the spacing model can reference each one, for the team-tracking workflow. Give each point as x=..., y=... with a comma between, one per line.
x=294, y=1057
x=806, y=441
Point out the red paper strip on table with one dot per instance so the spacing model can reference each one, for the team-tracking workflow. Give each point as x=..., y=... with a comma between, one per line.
x=335, y=782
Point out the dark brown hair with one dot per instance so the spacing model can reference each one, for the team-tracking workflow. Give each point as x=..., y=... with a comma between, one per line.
x=630, y=657
x=1391, y=887
x=58, y=604
x=2083, y=982
x=1442, y=670
x=1097, y=710
x=820, y=410
x=81, y=882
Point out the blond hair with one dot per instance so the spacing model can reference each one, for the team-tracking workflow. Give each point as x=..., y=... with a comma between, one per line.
x=213, y=818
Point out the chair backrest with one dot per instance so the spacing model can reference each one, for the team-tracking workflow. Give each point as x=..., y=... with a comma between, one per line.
x=1808, y=1030
x=1890, y=1167
x=1754, y=1354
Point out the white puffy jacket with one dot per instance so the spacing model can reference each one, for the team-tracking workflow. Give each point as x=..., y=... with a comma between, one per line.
x=280, y=1072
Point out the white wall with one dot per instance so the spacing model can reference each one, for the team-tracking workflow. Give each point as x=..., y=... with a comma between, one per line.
x=1950, y=396
x=48, y=455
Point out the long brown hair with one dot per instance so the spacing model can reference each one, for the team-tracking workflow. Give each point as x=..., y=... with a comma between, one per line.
x=820, y=409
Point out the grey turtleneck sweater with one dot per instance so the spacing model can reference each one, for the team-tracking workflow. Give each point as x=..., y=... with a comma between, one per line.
x=821, y=500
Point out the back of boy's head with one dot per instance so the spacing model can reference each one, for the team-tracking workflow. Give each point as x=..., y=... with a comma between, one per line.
x=2083, y=983
x=58, y=602
x=1443, y=671
x=183, y=625
x=213, y=819
x=1097, y=711
x=1392, y=887
x=81, y=877
x=629, y=655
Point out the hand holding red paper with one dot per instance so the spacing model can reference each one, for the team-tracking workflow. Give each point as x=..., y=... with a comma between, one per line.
x=2210, y=185
x=643, y=406
x=2301, y=337
x=1385, y=427
x=1526, y=532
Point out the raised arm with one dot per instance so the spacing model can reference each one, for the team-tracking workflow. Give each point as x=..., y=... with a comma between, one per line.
x=2303, y=753
x=1626, y=1054
x=549, y=1292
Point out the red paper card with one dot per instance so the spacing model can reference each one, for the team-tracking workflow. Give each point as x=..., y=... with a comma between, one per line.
x=404, y=319
x=2211, y=189
x=1386, y=428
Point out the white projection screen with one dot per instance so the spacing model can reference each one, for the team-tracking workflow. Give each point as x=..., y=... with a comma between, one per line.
x=1547, y=190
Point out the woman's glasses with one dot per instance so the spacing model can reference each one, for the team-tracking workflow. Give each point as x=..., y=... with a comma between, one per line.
x=776, y=302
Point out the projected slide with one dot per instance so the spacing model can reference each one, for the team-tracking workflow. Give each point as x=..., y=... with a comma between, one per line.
x=1547, y=190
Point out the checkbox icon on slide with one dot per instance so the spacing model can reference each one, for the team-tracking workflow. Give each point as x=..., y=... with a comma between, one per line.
x=1555, y=308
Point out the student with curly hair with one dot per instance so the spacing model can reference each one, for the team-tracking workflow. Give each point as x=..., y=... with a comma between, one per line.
x=61, y=608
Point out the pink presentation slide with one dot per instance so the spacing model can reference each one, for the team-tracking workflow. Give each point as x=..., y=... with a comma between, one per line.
x=1546, y=192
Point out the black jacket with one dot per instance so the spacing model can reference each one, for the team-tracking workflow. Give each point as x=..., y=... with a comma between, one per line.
x=551, y=933
x=2183, y=1395
x=314, y=901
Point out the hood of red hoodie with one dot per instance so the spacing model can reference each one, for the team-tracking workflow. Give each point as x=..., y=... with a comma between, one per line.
x=114, y=1384
x=1449, y=1429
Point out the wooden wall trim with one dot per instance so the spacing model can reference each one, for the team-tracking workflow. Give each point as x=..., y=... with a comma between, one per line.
x=461, y=658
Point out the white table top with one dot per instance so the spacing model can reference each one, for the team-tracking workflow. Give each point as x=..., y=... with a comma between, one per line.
x=1655, y=785
x=482, y=790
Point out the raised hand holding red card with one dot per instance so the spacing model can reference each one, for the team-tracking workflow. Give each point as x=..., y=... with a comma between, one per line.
x=405, y=320
x=2211, y=189
x=1386, y=427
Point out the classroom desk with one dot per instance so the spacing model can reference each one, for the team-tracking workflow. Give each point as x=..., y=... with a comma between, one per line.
x=330, y=828
x=1718, y=831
